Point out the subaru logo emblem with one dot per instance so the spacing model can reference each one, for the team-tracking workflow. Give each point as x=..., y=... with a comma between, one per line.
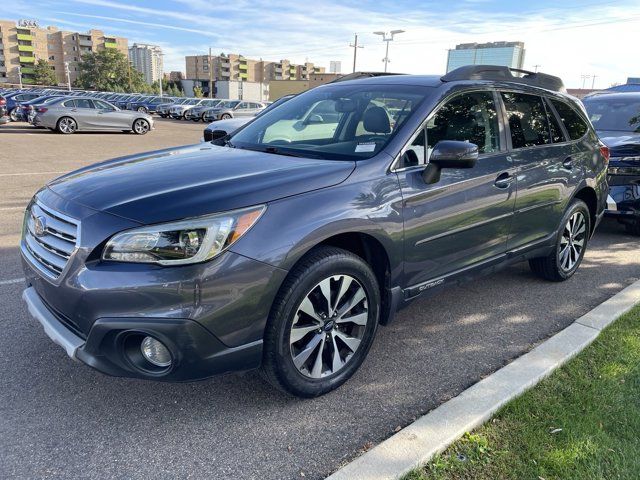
x=39, y=225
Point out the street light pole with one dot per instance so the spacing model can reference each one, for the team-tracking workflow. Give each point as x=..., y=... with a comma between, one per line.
x=20, y=76
x=210, y=74
x=355, y=47
x=387, y=39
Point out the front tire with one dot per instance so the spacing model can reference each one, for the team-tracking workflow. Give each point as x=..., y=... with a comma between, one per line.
x=13, y=115
x=142, y=109
x=570, y=247
x=225, y=116
x=322, y=323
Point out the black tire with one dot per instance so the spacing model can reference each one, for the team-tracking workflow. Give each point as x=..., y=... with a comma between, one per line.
x=66, y=125
x=142, y=109
x=140, y=126
x=633, y=228
x=226, y=116
x=551, y=267
x=278, y=366
x=13, y=114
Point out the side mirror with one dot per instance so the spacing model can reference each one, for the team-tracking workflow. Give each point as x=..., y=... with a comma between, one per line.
x=450, y=154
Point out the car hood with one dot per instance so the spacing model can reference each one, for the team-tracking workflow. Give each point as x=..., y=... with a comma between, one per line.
x=194, y=180
x=229, y=125
x=621, y=144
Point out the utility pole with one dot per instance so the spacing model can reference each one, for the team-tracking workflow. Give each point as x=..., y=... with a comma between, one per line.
x=20, y=76
x=66, y=72
x=536, y=68
x=355, y=47
x=210, y=75
x=584, y=79
x=593, y=81
x=387, y=39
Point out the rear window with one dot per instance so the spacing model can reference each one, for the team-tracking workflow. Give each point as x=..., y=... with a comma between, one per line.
x=574, y=123
x=527, y=120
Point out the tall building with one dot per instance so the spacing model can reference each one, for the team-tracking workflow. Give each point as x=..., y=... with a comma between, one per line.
x=147, y=59
x=507, y=54
x=234, y=67
x=22, y=44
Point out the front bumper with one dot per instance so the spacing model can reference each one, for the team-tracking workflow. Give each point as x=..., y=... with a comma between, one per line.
x=624, y=200
x=112, y=346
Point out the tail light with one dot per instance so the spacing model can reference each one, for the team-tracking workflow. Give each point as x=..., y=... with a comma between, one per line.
x=30, y=107
x=41, y=110
x=604, y=151
x=2, y=101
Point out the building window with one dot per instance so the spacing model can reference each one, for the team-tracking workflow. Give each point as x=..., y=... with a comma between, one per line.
x=52, y=57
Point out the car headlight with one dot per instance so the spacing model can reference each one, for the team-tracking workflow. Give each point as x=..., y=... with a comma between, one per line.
x=183, y=242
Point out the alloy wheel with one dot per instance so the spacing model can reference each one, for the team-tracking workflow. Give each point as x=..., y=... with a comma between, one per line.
x=329, y=326
x=573, y=241
x=141, y=126
x=67, y=125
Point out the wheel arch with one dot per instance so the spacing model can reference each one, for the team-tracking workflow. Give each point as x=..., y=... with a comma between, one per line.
x=589, y=196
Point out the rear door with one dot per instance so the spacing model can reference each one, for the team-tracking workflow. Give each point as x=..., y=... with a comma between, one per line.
x=546, y=170
x=463, y=220
x=83, y=112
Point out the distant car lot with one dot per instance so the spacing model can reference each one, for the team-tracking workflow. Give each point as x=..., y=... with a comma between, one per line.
x=76, y=423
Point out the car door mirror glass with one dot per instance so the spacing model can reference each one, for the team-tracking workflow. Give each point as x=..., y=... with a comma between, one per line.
x=449, y=154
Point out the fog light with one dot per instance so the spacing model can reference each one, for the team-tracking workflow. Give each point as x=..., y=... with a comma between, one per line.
x=155, y=352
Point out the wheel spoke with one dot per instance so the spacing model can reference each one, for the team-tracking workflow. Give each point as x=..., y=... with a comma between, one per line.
x=351, y=342
x=345, y=283
x=564, y=255
x=300, y=359
x=336, y=361
x=317, y=364
x=357, y=297
x=307, y=307
x=579, y=243
x=298, y=333
x=359, y=319
x=325, y=288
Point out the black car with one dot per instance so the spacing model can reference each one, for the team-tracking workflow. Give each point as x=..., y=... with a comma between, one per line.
x=616, y=118
x=285, y=246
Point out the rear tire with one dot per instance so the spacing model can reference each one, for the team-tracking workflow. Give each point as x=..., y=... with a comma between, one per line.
x=310, y=354
x=570, y=247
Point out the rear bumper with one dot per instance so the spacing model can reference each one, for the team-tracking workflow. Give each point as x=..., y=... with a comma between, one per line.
x=623, y=202
x=112, y=345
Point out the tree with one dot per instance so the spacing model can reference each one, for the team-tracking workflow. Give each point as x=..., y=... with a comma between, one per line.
x=44, y=74
x=108, y=70
x=197, y=91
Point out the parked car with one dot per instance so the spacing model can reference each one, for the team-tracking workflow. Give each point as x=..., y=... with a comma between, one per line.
x=286, y=254
x=222, y=128
x=25, y=108
x=231, y=109
x=177, y=111
x=14, y=100
x=196, y=113
x=163, y=108
x=149, y=104
x=69, y=115
x=616, y=118
x=4, y=116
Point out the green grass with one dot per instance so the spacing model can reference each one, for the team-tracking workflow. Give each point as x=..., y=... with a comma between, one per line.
x=595, y=401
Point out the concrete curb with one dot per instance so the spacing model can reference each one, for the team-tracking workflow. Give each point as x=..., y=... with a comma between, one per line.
x=432, y=433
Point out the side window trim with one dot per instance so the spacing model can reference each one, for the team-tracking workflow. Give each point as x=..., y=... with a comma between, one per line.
x=551, y=110
x=393, y=167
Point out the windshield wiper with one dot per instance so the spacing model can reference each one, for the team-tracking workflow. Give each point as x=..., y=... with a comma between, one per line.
x=278, y=151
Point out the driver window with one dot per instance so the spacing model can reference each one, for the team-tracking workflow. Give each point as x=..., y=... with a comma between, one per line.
x=469, y=117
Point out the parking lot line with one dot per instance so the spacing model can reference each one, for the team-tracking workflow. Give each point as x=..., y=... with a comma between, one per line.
x=11, y=281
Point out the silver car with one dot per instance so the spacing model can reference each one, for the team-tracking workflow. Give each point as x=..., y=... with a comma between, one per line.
x=196, y=112
x=177, y=112
x=232, y=109
x=69, y=115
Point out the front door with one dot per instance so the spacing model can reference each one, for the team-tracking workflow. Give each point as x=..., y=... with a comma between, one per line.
x=463, y=220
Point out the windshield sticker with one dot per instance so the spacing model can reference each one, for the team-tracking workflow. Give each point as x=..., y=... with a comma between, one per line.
x=365, y=147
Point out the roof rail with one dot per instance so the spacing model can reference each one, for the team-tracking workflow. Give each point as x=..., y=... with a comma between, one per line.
x=357, y=75
x=498, y=73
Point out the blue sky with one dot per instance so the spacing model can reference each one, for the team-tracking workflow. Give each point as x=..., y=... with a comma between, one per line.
x=568, y=38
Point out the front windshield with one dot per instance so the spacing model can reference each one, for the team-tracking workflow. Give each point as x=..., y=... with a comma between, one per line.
x=614, y=114
x=338, y=122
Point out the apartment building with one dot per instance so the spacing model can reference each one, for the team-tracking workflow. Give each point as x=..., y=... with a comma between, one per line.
x=234, y=67
x=147, y=59
x=25, y=42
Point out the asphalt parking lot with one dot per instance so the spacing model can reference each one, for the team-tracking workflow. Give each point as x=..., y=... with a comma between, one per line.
x=60, y=419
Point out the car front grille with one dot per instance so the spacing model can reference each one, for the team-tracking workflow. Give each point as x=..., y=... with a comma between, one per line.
x=49, y=239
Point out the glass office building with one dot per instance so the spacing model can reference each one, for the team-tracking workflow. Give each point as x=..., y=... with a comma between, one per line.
x=507, y=54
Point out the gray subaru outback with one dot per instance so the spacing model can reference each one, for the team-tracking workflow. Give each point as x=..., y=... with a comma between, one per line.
x=285, y=245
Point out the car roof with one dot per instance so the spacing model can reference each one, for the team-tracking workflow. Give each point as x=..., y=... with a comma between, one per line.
x=416, y=80
x=614, y=96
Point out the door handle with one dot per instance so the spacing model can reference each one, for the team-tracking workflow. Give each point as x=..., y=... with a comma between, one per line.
x=504, y=180
x=568, y=163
